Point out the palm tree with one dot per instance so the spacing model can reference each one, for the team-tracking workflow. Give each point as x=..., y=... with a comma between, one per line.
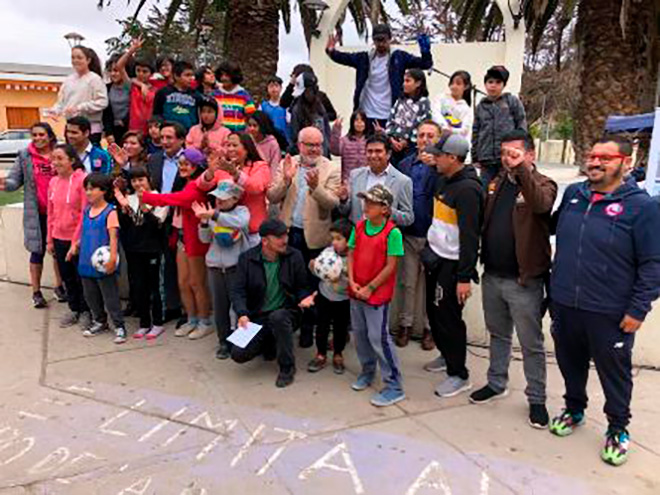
x=252, y=28
x=618, y=52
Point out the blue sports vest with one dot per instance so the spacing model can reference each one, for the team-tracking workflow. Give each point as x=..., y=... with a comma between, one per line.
x=94, y=235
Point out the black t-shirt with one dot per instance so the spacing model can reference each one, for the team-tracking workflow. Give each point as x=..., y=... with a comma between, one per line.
x=499, y=244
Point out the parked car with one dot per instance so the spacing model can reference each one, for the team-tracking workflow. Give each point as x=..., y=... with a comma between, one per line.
x=13, y=141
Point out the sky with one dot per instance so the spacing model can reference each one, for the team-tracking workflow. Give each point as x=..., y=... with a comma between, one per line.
x=31, y=31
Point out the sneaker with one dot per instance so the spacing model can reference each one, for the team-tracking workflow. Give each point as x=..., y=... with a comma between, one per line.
x=96, y=328
x=363, y=382
x=436, y=366
x=121, y=336
x=70, y=320
x=402, y=336
x=338, y=364
x=223, y=352
x=387, y=397
x=184, y=330
x=140, y=333
x=428, y=344
x=617, y=444
x=38, y=300
x=486, y=394
x=564, y=424
x=60, y=294
x=452, y=386
x=85, y=320
x=155, y=332
x=285, y=377
x=202, y=330
x=317, y=364
x=538, y=416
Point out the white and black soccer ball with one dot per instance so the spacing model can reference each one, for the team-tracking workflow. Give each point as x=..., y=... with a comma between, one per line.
x=100, y=257
x=328, y=265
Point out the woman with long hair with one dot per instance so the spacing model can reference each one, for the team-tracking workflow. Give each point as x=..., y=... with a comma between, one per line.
x=308, y=111
x=83, y=93
x=245, y=166
x=411, y=109
x=66, y=203
x=206, y=82
x=116, y=114
x=352, y=148
x=453, y=111
x=267, y=139
x=33, y=171
x=131, y=154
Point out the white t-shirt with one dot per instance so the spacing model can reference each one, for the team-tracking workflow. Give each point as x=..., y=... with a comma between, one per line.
x=376, y=97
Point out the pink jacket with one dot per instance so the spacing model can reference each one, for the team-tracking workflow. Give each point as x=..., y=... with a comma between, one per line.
x=66, y=202
x=255, y=179
x=270, y=152
x=353, y=152
x=216, y=137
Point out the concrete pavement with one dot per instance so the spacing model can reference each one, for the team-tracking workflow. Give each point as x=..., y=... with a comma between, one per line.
x=84, y=416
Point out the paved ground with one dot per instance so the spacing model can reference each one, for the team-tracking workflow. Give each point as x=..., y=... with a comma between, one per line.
x=80, y=416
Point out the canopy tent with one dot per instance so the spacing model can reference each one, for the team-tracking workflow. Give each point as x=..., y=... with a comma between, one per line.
x=630, y=123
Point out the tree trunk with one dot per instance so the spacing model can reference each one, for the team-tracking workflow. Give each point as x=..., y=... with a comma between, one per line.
x=617, y=72
x=253, y=41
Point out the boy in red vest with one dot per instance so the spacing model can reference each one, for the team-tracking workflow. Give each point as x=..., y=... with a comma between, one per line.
x=374, y=248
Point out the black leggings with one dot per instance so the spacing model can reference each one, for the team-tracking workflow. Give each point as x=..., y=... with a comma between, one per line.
x=339, y=314
x=70, y=277
x=144, y=269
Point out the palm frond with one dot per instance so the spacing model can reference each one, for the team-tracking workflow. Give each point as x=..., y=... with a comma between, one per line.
x=172, y=10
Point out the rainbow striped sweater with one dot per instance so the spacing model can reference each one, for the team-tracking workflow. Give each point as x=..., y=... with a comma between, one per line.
x=236, y=105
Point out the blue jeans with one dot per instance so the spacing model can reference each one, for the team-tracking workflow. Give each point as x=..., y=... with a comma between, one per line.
x=374, y=343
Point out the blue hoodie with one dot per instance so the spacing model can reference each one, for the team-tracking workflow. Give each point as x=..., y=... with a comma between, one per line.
x=608, y=252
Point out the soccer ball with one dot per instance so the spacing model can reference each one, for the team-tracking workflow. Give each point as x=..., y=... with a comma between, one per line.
x=100, y=257
x=328, y=265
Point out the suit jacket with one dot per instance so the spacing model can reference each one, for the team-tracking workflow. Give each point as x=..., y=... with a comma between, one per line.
x=399, y=185
x=317, y=212
x=155, y=168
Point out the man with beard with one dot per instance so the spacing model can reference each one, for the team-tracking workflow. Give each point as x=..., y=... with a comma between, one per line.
x=605, y=276
x=307, y=186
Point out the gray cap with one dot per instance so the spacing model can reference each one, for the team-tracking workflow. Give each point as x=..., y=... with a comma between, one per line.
x=453, y=145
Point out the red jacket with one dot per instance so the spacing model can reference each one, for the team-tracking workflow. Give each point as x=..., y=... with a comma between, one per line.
x=184, y=200
x=255, y=179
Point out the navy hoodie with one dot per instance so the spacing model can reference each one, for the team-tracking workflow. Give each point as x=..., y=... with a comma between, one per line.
x=608, y=252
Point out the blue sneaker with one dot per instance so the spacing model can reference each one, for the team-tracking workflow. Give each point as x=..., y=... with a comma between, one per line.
x=387, y=397
x=363, y=382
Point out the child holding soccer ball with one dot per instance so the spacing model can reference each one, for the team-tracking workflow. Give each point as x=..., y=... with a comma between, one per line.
x=331, y=299
x=100, y=228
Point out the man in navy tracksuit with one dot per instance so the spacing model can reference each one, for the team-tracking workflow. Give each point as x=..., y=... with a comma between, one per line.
x=605, y=276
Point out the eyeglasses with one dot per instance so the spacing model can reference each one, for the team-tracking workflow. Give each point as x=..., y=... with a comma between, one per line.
x=604, y=158
x=312, y=145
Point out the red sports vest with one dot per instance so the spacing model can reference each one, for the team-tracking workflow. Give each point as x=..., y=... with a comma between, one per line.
x=369, y=259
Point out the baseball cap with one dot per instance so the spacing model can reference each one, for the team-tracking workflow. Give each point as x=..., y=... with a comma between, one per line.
x=497, y=72
x=378, y=194
x=194, y=156
x=303, y=81
x=381, y=31
x=272, y=226
x=227, y=189
x=454, y=145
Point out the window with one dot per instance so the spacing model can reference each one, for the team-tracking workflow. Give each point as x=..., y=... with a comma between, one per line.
x=22, y=118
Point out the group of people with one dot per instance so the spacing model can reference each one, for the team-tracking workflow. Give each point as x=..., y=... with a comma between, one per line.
x=226, y=215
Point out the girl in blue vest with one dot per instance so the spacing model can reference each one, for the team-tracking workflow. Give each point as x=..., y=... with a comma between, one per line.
x=100, y=228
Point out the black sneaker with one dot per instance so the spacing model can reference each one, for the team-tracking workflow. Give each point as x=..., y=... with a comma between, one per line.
x=38, y=300
x=96, y=328
x=60, y=294
x=285, y=377
x=223, y=351
x=486, y=394
x=538, y=416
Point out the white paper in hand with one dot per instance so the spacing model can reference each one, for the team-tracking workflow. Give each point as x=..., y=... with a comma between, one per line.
x=243, y=336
